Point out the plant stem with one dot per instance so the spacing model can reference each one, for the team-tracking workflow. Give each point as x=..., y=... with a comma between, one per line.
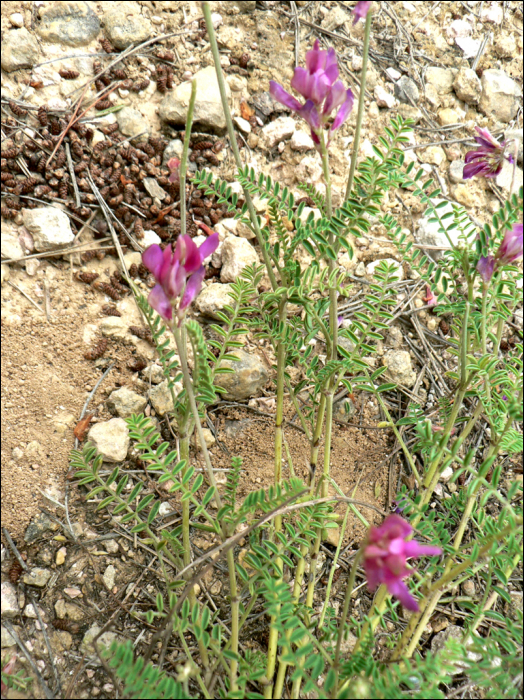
x=361, y=98
x=332, y=570
x=232, y=137
x=183, y=162
x=188, y=386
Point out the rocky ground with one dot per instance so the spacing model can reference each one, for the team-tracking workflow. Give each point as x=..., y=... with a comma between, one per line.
x=67, y=317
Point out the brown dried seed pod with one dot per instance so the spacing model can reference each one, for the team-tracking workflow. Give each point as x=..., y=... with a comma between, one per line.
x=218, y=146
x=110, y=129
x=211, y=157
x=8, y=213
x=76, y=149
x=97, y=351
x=169, y=78
x=214, y=216
x=54, y=127
x=13, y=203
x=118, y=280
x=25, y=186
x=6, y=176
x=87, y=277
x=91, y=255
x=137, y=364
x=68, y=74
x=110, y=310
x=150, y=281
x=66, y=626
x=115, y=201
x=139, y=228
x=161, y=83
x=133, y=270
x=198, y=211
x=16, y=109
x=444, y=326
x=107, y=45
x=143, y=333
x=42, y=190
x=99, y=85
x=41, y=115
x=143, y=272
x=107, y=289
x=504, y=345
x=10, y=152
x=60, y=158
x=158, y=144
x=140, y=85
x=244, y=60
x=63, y=189
x=15, y=571
x=119, y=73
x=103, y=104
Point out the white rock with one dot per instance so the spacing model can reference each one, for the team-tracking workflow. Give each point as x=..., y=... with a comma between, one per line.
x=243, y=125
x=208, y=105
x=500, y=95
x=335, y=18
x=505, y=178
x=384, y=98
x=492, y=12
x=278, y=130
x=49, y=226
x=469, y=46
x=9, y=600
x=467, y=85
x=209, y=439
x=393, y=74
x=6, y=273
x=11, y=246
x=306, y=211
x=459, y=27
x=399, y=367
x=237, y=253
x=161, y=398
x=150, y=238
x=111, y=439
x=125, y=402
x=249, y=376
x=441, y=79
x=301, y=142
x=109, y=577
x=114, y=327
x=213, y=298
x=16, y=19
x=435, y=155
x=446, y=474
x=456, y=171
x=399, y=272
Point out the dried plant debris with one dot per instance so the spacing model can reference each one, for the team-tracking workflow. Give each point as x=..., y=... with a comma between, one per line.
x=97, y=351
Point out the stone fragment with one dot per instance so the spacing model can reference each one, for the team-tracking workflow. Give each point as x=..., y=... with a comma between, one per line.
x=213, y=298
x=435, y=155
x=279, y=130
x=105, y=640
x=114, y=327
x=441, y=79
x=154, y=189
x=237, y=253
x=125, y=26
x=208, y=437
x=161, y=398
x=36, y=528
x=456, y=171
x=248, y=378
x=383, y=98
x=9, y=600
x=467, y=85
x=400, y=369
x=37, y=577
x=448, y=116
x=49, y=227
x=72, y=23
x=17, y=19
x=109, y=577
x=132, y=123
x=124, y=402
x=335, y=18
x=500, y=95
x=243, y=125
x=457, y=633
x=10, y=242
x=406, y=90
x=111, y=439
x=19, y=50
x=301, y=142
x=505, y=179
x=6, y=638
x=208, y=106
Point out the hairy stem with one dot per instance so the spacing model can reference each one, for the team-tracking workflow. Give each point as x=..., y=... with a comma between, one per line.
x=183, y=162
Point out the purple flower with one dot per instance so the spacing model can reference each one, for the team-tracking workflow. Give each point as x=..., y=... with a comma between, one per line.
x=319, y=85
x=486, y=268
x=361, y=10
x=385, y=554
x=488, y=159
x=511, y=247
x=178, y=274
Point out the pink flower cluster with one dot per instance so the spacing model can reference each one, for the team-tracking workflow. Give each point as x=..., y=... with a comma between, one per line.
x=385, y=554
x=178, y=274
x=318, y=83
x=509, y=250
x=486, y=161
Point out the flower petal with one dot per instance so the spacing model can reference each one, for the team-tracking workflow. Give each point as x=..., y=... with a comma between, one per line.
x=401, y=591
x=344, y=111
x=209, y=246
x=153, y=258
x=315, y=58
x=335, y=98
x=193, y=286
x=413, y=549
x=278, y=93
x=310, y=113
x=159, y=301
x=486, y=139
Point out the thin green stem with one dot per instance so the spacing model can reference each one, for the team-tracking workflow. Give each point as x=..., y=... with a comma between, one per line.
x=361, y=99
x=185, y=152
x=232, y=137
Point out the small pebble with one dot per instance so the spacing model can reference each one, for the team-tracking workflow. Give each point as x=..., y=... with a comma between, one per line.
x=16, y=19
